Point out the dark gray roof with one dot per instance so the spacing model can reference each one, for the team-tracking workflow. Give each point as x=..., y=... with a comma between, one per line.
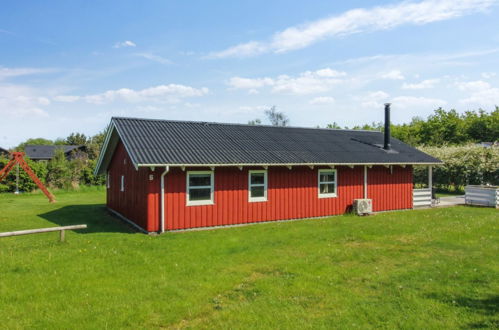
x=4, y=151
x=44, y=152
x=166, y=142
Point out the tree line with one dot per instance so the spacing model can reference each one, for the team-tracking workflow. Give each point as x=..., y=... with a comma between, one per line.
x=440, y=128
x=438, y=135
x=59, y=172
x=443, y=128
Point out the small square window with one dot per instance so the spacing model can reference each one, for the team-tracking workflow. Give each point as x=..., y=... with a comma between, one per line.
x=200, y=187
x=327, y=183
x=257, y=186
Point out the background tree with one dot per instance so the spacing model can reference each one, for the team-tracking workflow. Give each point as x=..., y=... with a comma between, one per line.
x=25, y=182
x=276, y=118
x=334, y=125
x=255, y=122
x=77, y=139
x=33, y=141
x=59, y=171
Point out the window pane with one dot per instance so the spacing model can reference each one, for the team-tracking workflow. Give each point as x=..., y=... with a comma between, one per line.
x=199, y=180
x=257, y=178
x=327, y=177
x=327, y=188
x=200, y=194
x=257, y=192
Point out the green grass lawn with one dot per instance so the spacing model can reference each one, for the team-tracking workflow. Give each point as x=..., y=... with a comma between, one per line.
x=449, y=193
x=434, y=268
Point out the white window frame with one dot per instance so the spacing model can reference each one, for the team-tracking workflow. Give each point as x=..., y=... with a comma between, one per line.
x=264, y=185
x=328, y=195
x=211, y=201
x=122, y=188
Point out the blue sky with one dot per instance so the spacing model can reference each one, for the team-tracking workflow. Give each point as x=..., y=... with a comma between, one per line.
x=69, y=66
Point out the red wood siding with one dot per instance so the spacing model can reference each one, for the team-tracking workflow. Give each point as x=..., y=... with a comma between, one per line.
x=390, y=190
x=139, y=202
x=292, y=194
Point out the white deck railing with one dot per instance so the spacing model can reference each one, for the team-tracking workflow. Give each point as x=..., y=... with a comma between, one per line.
x=482, y=195
x=421, y=197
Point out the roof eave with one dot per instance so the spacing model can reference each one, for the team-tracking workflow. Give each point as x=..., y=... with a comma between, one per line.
x=105, y=149
x=290, y=164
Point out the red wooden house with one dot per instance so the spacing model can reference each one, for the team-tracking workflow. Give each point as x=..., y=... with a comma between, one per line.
x=167, y=175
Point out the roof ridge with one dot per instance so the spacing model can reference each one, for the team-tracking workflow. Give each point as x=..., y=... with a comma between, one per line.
x=245, y=125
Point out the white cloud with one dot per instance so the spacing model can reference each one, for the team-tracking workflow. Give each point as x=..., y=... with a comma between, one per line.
x=378, y=95
x=161, y=94
x=417, y=102
x=247, y=108
x=307, y=82
x=359, y=21
x=322, y=100
x=327, y=72
x=248, y=83
x=392, y=75
x=66, y=98
x=488, y=75
x=21, y=102
x=375, y=100
x=243, y=50
x=154, y=58
x=482, y=94
x=488, y=98
x=6, y=73
x=473, y=86
x=126, y=43
x=428, y=83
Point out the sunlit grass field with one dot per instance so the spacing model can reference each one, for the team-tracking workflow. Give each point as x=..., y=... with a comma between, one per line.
x=434, y=268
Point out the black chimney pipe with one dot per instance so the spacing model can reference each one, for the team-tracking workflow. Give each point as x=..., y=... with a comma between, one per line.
x=387, y=145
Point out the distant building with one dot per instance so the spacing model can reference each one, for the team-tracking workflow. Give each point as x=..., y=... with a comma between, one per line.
x=4, y=152
x=44, y=152
x=488, y=144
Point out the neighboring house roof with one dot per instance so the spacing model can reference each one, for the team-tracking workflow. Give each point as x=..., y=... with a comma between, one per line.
x=183, y=143
x=44, y=152
x=4, y=151
x=487, y=144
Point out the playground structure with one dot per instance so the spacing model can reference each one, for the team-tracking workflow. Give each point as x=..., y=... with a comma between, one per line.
x=17, y=158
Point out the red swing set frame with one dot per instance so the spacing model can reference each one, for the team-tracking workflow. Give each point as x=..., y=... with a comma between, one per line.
x=18, y=158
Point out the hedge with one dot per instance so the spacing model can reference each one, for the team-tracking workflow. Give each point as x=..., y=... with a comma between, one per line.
x=463, y=165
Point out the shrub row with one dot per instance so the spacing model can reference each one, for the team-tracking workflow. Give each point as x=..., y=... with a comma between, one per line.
x=57, y=173
x=463, y=165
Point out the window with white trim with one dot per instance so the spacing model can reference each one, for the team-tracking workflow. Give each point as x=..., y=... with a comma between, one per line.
x=327, y=183
x=122, y=188
x=257, y=186
x=200, y=187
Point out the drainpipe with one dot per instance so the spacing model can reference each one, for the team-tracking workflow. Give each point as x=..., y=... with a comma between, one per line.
x=162, y=220
x=365, y=181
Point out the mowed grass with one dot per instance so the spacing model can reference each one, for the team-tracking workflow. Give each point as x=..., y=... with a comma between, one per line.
x=412, y=269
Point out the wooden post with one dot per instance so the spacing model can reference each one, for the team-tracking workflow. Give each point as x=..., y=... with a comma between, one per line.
x=44, y=230
x=17, y=180
x=430, y=177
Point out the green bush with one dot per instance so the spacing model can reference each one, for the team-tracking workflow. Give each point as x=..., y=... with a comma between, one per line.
x=58, y=173
x=463, y=165
x=25, y=182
